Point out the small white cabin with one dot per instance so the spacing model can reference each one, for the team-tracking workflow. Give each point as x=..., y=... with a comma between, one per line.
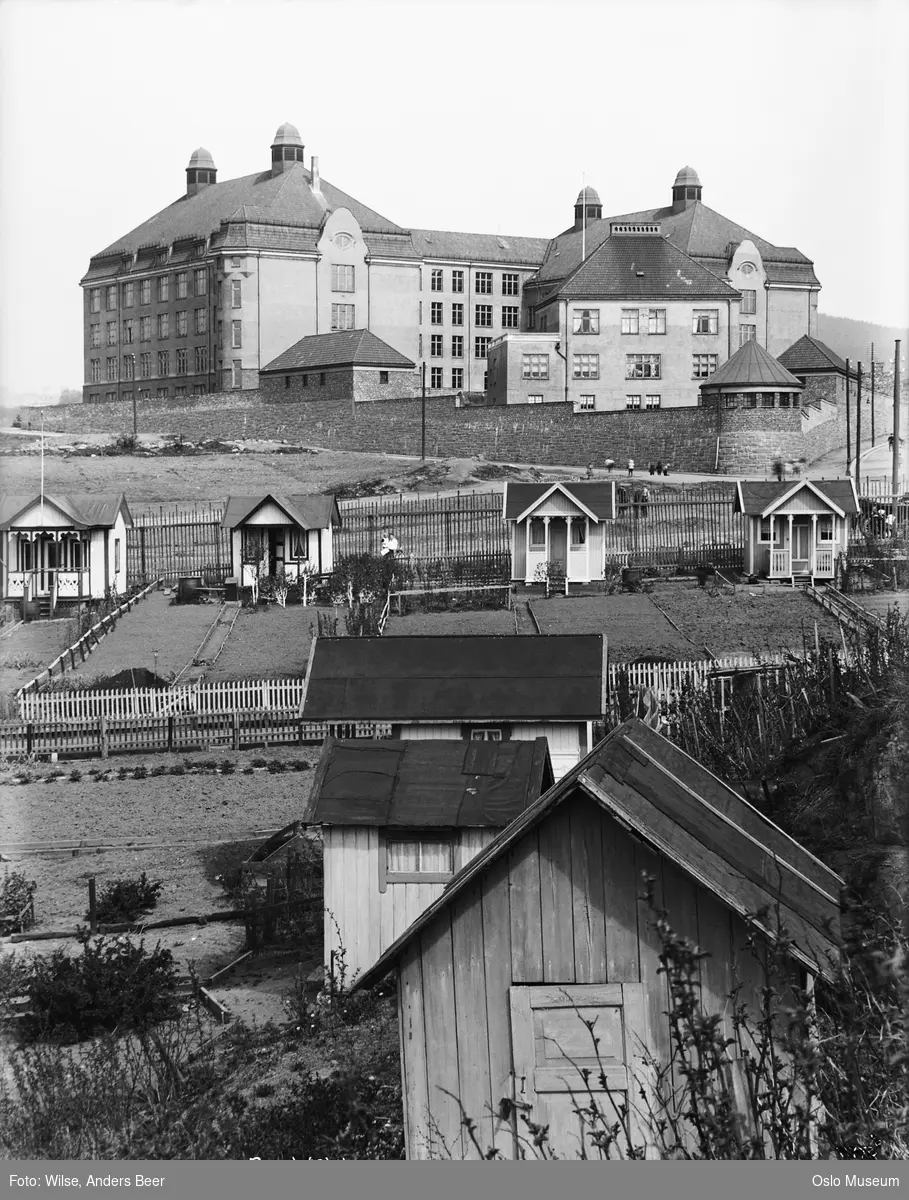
x=63, y=549
x=558, y=522
x=399, y=819
x=796, y=530
x=483, y=688
x=279, y=535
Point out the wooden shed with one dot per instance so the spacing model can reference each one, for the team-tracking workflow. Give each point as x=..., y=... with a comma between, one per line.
x=550, y=924
x=483, y=688
x=62, y=549
x=399, y=819
x=558, y=522
x=279, y=535
x=795, y=530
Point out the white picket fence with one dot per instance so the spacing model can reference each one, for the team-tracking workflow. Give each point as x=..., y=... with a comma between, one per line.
x=236, y=695
x=664, y=678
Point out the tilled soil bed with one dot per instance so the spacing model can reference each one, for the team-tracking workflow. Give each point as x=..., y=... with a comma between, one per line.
x=632, y=625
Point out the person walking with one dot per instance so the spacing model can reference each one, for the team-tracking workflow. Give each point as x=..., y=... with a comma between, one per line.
x=659, y=470
x=590, y=470
x=609, y=464
x=631, y=466
x=645, y=501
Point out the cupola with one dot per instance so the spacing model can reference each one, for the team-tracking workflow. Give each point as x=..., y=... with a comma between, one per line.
x=286, y=149
x=588, y=200
x=200, y=172
x=686, y=190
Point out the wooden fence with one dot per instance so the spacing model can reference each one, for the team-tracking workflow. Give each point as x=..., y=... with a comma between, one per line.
x=182, y=731
x=179, y=540
x=83, y=704
x=675, y=526
x=428, y=528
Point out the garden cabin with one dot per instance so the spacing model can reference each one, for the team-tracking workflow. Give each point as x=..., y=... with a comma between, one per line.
x=483, y=688
x=796, y=529
x=551, y=925
x=275, y=535
x=62, y=549
x=558, y=522
x=399, y=819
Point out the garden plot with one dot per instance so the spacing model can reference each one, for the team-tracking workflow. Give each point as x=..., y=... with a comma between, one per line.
x=26, y=650
x=268, y=643
x=632, y=625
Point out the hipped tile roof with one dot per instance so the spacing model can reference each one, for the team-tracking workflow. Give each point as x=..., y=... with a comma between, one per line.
x=751, y=366
x=350, y=347
x=478, y=247
x=811, y=355
x=645, y=267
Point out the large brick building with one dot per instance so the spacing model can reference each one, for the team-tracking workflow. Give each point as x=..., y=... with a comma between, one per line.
x=206, y=292
x=201, y=295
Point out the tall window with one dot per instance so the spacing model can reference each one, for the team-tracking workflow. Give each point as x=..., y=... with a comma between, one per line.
x=112, y=296
x=145, y=291
x=112, y=370
x=435, y=377
x=481, y=346
x=749, y=301
x=236, y=335
x=436, y=343
x=630, y=320
x=200, y=281
x=705, y=320
x=129, y=294
x=144, y=394
x=457, y=314
x=95, y=335
x=163, y=288
x=457, y=281
x=511, y=316
x=237, y=373
x=200, y=320
x=535, y=366
x=586, y=320
x=163, y=326
x=163, y=362
x=652, y=401
x=484, y=283
x=509, y=285
x=642, y=366
x=437, y=280
x=457, y=346
x=129, y=331
x=201, y=360
x=161, y=393
x=179, y=393
x=747, y=333
x=236, y=300
x=342, y=277
x=94, y=299
x=436, y=312
x=342, y=316
x=181, y=323
x=95, y=370
x=182, y=280
x=586, y=366
x=129, y=366
x=145, y=365
x=633, y=402
x=111, y=333
x=656, y=320
x=703, y=365
x=145, y=329
x=483, y=316
x=457, y=377
x=181, y=361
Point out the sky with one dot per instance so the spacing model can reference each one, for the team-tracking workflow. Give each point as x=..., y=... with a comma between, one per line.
x=479, y=115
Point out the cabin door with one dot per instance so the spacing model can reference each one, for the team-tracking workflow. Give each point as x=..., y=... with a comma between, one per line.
x=551, y=1045
x=801, y=546
x=558, y=541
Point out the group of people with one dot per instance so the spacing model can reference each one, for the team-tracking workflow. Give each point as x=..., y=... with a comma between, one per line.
x=657, y=468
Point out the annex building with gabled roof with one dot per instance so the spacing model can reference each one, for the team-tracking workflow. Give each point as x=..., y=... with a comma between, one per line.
x=352, y=364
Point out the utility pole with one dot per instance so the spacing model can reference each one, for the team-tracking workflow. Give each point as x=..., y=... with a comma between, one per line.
x=896, y=424
x=872, y=394
x=858, y=431
x=423, y=417
x=848, y=440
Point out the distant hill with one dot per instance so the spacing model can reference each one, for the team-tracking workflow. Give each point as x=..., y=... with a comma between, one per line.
x=852, y=339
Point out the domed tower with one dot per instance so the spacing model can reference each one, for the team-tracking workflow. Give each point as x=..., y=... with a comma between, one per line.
x=589, y=199
x=286, y=149
x=200, y=172
x=686, y=190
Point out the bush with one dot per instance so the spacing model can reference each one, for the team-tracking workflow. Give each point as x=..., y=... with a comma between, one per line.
x=126, y=443
x=112, y=984
x=15, y=891
x=126, y=899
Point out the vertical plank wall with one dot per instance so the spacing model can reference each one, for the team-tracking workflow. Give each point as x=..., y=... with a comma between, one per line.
x=563, y=906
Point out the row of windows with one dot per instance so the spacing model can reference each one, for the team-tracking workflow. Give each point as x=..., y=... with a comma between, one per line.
x=824, y=530
x=762, y=400
x=703, y=320
x=161, y=393
x=481, y=346
x=483, y=282
x=437, y=377
x=637, y=366
x=143, y=328
x=162, y=291
x=200, y=361
x=538, y=533
x=482, y=315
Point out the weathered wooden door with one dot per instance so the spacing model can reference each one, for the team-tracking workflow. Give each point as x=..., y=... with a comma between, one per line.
x=553, y=1044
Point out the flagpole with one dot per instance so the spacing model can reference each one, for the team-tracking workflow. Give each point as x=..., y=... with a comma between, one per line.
x=42, y=466
x=583, y=215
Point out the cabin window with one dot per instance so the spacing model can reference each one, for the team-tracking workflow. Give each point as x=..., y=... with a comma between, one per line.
x=578, y=533
x=537, y=532
x=779, y=532
x=253, y=547
x=486, y=735
x=415, y=857
x=116, y=555
x=825, y=529
x=25, y=555
x=299, y=543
